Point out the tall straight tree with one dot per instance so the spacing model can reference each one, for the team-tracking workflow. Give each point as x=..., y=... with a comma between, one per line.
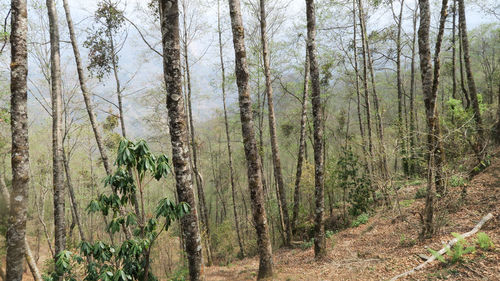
x=470, y=79
x=226, y=126
x=249, y=141
x=319, y=181
x=85, y=91
x=57, y=141
x=430, y=82
x=278, y=175
x=302, y=145
x=16, y=232
x=169, y=18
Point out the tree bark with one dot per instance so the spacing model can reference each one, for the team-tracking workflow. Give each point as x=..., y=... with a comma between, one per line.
x=412, y=127
x=30, y=260
x=251, y=151
x=194, y=149
x=278, y=175
x=228, y=137
x=302, y=144
x=169, y=17
x=433, y=133
x=319, y=227
x=57, y=145
x=470, y=81
x=16, y=231
x=74, y=203
x=380, y=128
x=85, y=91
x=401, y=135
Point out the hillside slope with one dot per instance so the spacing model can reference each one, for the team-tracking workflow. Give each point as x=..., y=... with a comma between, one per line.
x=384, y=247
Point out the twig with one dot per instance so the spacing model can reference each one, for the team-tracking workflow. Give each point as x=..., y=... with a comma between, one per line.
x=446, y=247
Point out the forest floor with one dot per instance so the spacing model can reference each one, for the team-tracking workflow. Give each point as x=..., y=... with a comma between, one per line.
x=388, y=244
x=385, y=247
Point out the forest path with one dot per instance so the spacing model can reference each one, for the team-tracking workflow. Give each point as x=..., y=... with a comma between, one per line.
x=384, y=247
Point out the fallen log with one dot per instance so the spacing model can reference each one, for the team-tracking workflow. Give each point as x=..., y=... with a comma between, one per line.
x=446, y=247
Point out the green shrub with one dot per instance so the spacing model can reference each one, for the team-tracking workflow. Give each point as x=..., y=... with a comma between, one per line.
x=361, y=219
x=421, y=192
x=406, y=242
x=307, y=244
x=484, y=241
x=460, y=249
x=329, y=234
x=457, y=180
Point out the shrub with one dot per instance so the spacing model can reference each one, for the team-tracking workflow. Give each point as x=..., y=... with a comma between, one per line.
x=457, y=180
x=484, y=241
x=307, y=244
x=421, y=192
x=361, y=219
x=329, y=234
x=460, y=249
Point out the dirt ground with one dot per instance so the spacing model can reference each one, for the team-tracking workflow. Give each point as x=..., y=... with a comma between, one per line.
x=385, y=247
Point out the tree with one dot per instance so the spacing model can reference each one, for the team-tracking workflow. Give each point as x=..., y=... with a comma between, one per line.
x=169, y=17
x=251, y=152
x=430, y=82
x=228, y=137
x=57, y=142
x=470, y=81
x=302, y=145
x=16, y=233
x=319, y=181
x=278, y=175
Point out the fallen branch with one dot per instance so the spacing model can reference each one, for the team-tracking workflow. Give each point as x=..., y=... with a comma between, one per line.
x=446, y=247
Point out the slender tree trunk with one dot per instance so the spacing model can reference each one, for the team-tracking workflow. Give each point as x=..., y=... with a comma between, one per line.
x=401, y=135
x=251, y=151
x=278, y=175
x=439, y=151
x=57, y=145
x=74, y=203
x=302, y=142
x=319, y=227
x=465, y=92
x=228, y=137
x=428, y=85
x=194, y=150
x=366, y=98
x=412, y=127
x=369, y=64
x=85, y=92
x=454, y=52
x=169, y=17
x=16, y=231
x=470, y=80
x=30, y=260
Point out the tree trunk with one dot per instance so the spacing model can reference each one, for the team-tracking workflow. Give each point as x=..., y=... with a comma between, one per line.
x=319, y=227
x=57, y=145
x=85, y=92
x=228, y=137
x=30, y=260
x=251, y=151
x=433, y=134
x=16, y=232
x=169, y=17
x=412, y=127
x=74, y=203
x=302, y=142
x=470, y=81
x=194, y=149
x=439, y=151
x=401, y=136
x=369, y=63
x=278, y=175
